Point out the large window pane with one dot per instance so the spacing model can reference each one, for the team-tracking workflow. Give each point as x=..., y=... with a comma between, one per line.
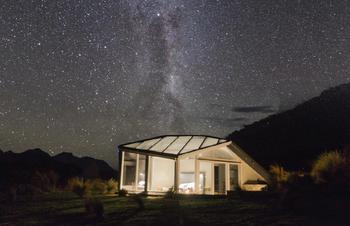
x=186, y=175
x=219, y=178
x=218, y=154
x=205, y=177
x=162, y=174
x=141, y=173
x=129, y=170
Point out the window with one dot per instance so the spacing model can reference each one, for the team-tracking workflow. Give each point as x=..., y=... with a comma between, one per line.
x=162, y=174
x=186, y=175
x=233, y=177
x=129, y=169
x=219, y=178
x=141, y=174
x=205, y=177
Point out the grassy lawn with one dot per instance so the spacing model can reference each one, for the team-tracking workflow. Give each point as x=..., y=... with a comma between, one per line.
x=68, y=209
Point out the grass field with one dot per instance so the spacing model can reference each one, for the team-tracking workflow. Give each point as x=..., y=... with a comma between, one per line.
x=67, y=209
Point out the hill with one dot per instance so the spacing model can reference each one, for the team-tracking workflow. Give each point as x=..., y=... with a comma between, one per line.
x=20, y=167
x=88, y=167
x=294, y=138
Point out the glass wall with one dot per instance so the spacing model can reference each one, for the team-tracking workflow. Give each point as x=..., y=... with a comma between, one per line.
x=214, y=177
x=141, y=174
x=162, y=174
x=186, y=175
x=134, y=171
x=129, y=170
x=219, y=178
x=218, y=154
x=205, y=177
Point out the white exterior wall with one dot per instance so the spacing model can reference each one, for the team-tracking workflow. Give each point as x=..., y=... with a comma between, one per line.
x=248, y=174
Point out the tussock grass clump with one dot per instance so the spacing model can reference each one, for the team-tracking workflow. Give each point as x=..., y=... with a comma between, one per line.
x=279, y=176
x=123, y=193
x=328, y=165
x=97, y=186
x=83, y=187
x=170, y=194
x=45, y=181
x=78, y=186
x=112, y=186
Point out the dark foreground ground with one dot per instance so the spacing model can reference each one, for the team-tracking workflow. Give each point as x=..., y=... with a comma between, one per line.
x=68, y=209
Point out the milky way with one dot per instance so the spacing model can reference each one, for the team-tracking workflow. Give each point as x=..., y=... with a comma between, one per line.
x=85, y=76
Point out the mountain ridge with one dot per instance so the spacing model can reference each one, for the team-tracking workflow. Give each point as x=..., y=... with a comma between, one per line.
x=20, y=167
x=295, y=137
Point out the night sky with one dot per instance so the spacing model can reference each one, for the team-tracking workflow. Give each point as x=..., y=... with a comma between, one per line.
x=84, y=76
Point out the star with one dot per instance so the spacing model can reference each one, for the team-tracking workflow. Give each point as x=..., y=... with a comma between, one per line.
x=94, y=74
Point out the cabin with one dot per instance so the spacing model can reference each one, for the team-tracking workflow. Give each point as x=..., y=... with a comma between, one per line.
x=188, y=164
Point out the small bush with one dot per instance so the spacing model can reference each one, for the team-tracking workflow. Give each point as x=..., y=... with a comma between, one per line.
x=53, y=179
x=112, y=186
x=44, y=181
x=79, y=186
x=73, y=182
x=94, y=206
x=328, y=165
x=170, y=194
x=97, y=186
x=279, y=176
x=123, y=193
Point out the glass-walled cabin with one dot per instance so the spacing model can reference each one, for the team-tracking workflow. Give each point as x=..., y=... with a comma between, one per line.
x=185, y=164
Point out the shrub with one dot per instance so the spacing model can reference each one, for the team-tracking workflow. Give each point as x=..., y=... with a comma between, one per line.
x=123, y=193
x=279, y=175
x=97, y=185
x=53, y=179
x=74, y=181
x=332, y=171
x=41, y=181
x=78, y=186
x=112, y=186
x=328, y=165
x=94, y=206
x=170, y=194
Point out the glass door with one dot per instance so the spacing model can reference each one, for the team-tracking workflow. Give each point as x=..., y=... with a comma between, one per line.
x=233, y=177
x=219, y=178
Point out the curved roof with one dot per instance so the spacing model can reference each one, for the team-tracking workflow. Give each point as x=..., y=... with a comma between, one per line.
x=173, y=145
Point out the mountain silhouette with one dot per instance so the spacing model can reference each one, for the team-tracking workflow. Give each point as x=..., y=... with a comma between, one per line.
x=296, y=137
x=18, y=168
x=89, y=167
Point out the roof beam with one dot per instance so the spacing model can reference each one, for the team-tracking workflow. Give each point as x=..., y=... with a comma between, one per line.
x=170, y=144
x=184, y=146
x=149, y=153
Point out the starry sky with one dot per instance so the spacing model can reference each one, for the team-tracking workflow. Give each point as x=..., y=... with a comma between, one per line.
x=83, y=76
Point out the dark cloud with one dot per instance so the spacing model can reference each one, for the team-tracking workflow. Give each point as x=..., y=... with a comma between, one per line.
x=255, y=109
x=238, y=121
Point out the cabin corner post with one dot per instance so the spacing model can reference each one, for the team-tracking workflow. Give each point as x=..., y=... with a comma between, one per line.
x=176, y=175
x=146, y=174
x=121, y=163
x=196, y=174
